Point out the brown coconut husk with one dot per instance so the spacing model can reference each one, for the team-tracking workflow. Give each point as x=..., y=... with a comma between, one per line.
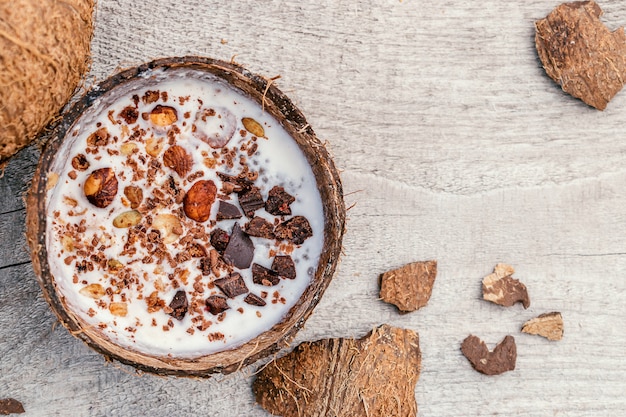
x=44, y=53
x=278, y=105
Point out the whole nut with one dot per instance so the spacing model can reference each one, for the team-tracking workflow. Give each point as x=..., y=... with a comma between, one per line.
x=177, y=158
x=253, y=127
x=134, y=195
x=198, y=200
x=163, y=116
x=127, y=219
x=101, y=187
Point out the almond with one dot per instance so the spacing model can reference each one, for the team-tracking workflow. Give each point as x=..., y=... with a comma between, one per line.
x=101, y=187
x=198, y=200
x=163, y=116
x=177, y=158
x=94, y=291
x=253, y=127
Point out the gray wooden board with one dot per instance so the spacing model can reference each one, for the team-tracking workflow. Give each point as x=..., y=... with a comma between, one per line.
x=453, y=145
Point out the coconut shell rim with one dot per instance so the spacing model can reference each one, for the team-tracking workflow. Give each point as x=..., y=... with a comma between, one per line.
x=264, y=92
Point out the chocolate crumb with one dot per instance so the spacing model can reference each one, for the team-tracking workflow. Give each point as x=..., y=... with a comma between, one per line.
x=129, y=114
x=548, y=325
x=219, y=239
x=409, y=287
x=240, y=249
x=254, y=300
x=259, y=227
x=227, y=211
x=216, y=304
x=278, y=202
x=232, y=285
x=295, y=230
x=264, y=276
x=284, y=266
x=500, y=360
x=179, y=305
x=501, y=288
x=11, y=406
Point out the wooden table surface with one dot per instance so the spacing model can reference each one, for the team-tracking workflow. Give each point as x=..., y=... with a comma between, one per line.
x=454, y=145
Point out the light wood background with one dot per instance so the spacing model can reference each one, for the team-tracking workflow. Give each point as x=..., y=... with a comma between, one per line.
x=453, y=145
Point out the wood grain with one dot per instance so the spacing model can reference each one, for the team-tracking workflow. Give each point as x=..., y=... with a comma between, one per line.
x=454, y=146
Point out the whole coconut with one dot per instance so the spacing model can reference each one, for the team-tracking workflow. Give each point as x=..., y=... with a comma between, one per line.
x=44, y=53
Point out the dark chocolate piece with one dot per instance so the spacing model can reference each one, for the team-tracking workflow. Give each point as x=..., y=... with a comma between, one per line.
x=284, y=266
x=219, y=240
x=250, y=200
x=232, y=285
x=254, y=300
x=278, y=202
x=295, y=230
x=241, y=182
x=216, y=304
x=180, y=305
x=502, y=358
x=264, y=276
x=11, y=406
x=259, y=227
x=240, y=249
x=227, y=211
x=205, y=265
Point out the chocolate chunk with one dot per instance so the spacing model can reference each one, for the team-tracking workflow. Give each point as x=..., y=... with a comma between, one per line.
x=241, y=182
x=278, y=202
x=205, y=265
x=216, y=304
x=259, y=227
x=219, y=240
x=129, y=114
x=264, y=276
x=284, y=266
x=501, y=288
x=250, y=200
x=180, y=305
x=240, y=249
x=254, y=300
x=11, y=406
x=232, y=285
x=227, y=211
x=295, y=230
x=502, y=358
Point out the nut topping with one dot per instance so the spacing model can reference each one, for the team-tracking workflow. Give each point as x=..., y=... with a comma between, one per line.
x=101, y=187
x=134, y=195
x=127, y=219
x=119, y=309
x=80, y=162
x=253, y=127
x=177, y=158
x=163, y=116
x=154, y=146
x=198, y=200
x=169, y=226
x=94, y=291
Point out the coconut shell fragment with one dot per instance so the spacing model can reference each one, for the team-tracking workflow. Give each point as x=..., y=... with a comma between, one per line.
x=578, y=52
x=548, y=325
x=409, y=288
x=374, y=376
x=501, y=288
x=44, y=53
x=498, y=361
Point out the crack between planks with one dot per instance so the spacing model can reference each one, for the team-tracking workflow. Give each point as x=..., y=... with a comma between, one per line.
x=586, y=255
x=14, y=265
x=13, y=211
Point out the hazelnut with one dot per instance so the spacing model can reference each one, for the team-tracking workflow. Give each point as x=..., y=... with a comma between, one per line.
x=80, y=162
x=170, y=227
x=99, y=138
x=134, y=195
x=154, y=146
x=198, y=200
x=94, y=291
x=163, y=116
x=101, y=187
x=118, y=309
x=253, y=127
x=177, y=158
x=127, y=219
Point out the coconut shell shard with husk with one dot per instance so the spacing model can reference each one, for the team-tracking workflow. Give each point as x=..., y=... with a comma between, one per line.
x=261, y=91
x=44, y=53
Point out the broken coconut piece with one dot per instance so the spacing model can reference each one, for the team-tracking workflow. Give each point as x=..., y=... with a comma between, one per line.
x=501, y=288
x=409, y=287
x=11, y=406
x=500, y=360
x=548, y=325
x=581, y=54
x=372, y=376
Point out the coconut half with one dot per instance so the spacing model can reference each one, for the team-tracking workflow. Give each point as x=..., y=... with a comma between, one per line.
x=44, y=53
x=219, y=171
